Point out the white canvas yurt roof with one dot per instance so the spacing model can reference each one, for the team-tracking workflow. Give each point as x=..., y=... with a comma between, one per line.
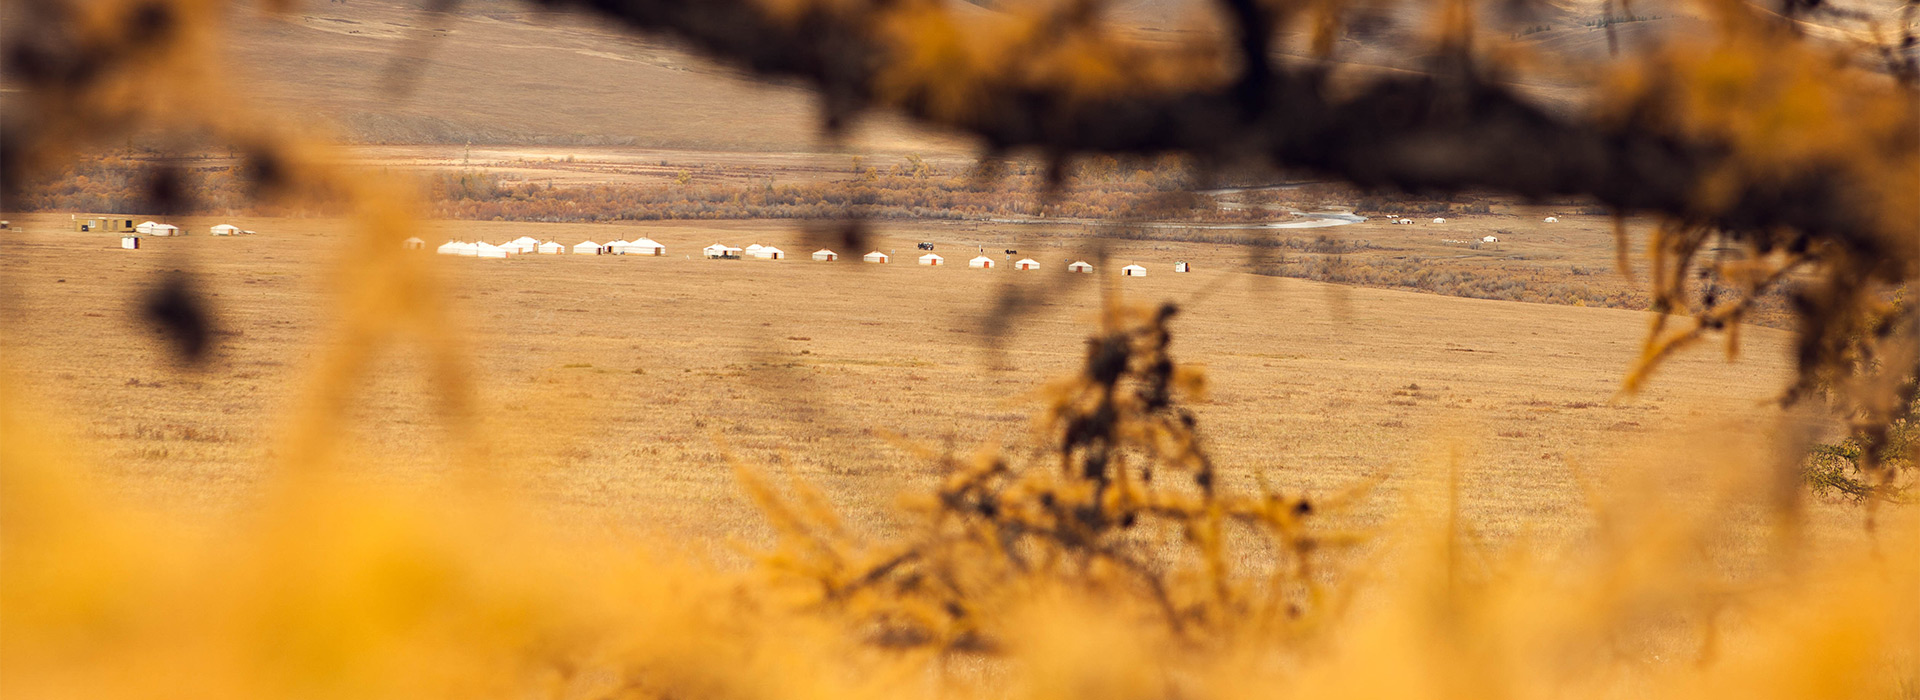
x=876, y=257
x=768, y=253
x=1552, y=220
x=980, y=263
x=412, y=243
x=526, y=240
x=1490, y=239
x=450, y=248
x=230, y=229
x=932, y=259
x=753, y=248
x=1439, y=220
x=586, y=248
x=824, y=254
x=1133, y=271
x=1079, y=266
x=1027, y=264
x=645, y=246
x=155, y=228
x=489, y=250
x=552, y=248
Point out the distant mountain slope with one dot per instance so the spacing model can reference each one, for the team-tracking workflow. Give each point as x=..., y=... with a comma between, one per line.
x=503, y=72
x=508, y=72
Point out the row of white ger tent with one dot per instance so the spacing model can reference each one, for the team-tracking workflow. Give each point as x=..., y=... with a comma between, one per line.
x=647, y=246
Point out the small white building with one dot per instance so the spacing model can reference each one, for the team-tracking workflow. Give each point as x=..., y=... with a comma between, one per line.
x=981, y=263
x=155, y=228
x=825, y=255
x=932, y=259
x=645, y=246
x=450, y=248
x=232, y=230
x=1133, y=271
x=1551, y=220
x=1182, y=266
x=1408, y=222
x=768, y=252
x=1490, y=239
x=1027, y=264
x=130, y=242
x=1439, y=220
x=489, y=250
x=718, y=251
x=1079, y=266
x=519, y=245
x=752, y=250
x=588, y=248
x=876, y=257
x=413, y=243
x=552, y=248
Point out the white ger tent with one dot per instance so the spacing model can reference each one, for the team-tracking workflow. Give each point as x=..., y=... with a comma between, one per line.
x=719, y=250
x=1552, y=220
x=1027, y=264
x=552, y=248
x=769, y=253
x=1079, y=266
x=1439, y=221
x=413, y=243
x=645, y=246
x=155, y=228
x=932, y=259
x=1133, y=271
x=587, y=248
x=450, y=248
x=876, y=257
x=489, y=250
x=981, y=263
x=231, y=230
x=825, y=255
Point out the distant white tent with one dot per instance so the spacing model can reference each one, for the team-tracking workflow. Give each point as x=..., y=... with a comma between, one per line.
x=1027, y=264
x=230, y=229
x=752, y=249
x=1408, y=222
x=155, y=228
x=769, y=253
x=526, y=242
x=825, y=255
x=1079, y=266
x=645, y=246
x=489, y=250
x=1438, y=220
x=1490, y=239
x=981, y=263
x=931, y=259
x=413, y=243
x=876, y=257
x=1182, y=266
x=552, y=248
x=518, y=245
x=718, y=250
x=1552, y=220
x=588, y=248
x=130, y=242
x=450, y=248
x=1133, y=271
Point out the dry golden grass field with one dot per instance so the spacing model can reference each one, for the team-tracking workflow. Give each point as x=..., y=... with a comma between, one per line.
x=614, y=388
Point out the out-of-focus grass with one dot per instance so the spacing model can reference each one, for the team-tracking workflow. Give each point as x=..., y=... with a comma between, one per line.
x=334, y=588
